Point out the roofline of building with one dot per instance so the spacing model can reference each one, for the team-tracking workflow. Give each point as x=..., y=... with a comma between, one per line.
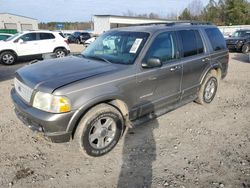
x=18, y=15
x=131, y=17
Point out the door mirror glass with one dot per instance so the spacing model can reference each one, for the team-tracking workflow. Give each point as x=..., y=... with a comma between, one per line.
x=152, y=62
x=20, y=41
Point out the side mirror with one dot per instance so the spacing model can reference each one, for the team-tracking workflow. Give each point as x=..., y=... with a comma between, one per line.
x=20, y=41
x=152, y=62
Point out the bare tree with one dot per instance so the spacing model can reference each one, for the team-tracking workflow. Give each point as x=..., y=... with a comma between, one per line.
x=195, y=7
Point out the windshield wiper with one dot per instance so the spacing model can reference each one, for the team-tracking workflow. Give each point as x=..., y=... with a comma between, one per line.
x=98, y=58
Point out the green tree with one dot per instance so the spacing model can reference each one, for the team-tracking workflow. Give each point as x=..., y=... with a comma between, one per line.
x=237, y=12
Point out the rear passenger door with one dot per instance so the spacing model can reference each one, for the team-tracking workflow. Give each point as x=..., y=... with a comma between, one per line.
x=195, y=59
x=46, y=42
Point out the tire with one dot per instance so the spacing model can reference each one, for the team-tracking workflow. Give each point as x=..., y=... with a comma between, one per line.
x=60, y=52
x=78, y=41
x=99, y=130
x=245, y=48
x=208, y=88
x=8, y=58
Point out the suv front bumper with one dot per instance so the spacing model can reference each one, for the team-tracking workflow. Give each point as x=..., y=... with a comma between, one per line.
x=53, y=126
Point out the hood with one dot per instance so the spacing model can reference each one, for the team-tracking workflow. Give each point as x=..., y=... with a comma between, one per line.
x=49, y=75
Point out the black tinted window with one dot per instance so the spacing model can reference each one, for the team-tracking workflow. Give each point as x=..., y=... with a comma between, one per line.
x=163, y=47
x=46, y=36
x=29, y=37
x=191, y=42
x=216, y=39
x=200, y=46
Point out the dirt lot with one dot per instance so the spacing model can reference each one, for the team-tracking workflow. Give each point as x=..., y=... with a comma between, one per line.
x=193, y=146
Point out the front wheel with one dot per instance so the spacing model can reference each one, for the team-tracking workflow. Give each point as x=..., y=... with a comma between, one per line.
x=208, y=89
x=7, y=58
x=99, y=130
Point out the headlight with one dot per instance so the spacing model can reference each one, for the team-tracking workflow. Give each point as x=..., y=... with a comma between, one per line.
x=51, y=103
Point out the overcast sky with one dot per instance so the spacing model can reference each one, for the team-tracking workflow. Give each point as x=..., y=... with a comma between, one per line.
x=82, y=10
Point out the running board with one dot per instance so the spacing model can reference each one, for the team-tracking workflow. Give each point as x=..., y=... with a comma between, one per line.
x=162, y=111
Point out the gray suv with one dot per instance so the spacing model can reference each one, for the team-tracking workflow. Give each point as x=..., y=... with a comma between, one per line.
x=126, y=77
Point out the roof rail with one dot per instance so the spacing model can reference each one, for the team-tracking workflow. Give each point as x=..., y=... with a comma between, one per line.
x=177, y=23
x=188, y=23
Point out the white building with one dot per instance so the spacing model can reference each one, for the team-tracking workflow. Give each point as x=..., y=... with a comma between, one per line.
x=20, y=23
x=104, y=23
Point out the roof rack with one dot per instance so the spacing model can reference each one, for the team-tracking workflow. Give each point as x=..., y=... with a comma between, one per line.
x=188, y=23
x=178, y=23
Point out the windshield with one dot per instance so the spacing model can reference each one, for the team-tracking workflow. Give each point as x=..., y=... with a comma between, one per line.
x=241, y=33
x=12, y=37
x=117, y=46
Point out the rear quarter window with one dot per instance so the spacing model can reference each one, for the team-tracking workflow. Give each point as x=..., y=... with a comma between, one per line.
x=46, y=36
x=216, y=39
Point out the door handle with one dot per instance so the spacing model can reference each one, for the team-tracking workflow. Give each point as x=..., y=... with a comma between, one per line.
x=152, y=78
x=205, y=59
x=175, y=68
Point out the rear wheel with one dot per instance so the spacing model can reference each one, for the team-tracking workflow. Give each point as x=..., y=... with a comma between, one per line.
x=7, y=58
x=60, y=52
x=99, y=130
x=208, y=89
x=78, y=41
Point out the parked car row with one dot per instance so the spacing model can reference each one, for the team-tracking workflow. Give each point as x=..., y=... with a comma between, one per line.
x=79, y=37
x=239, y=41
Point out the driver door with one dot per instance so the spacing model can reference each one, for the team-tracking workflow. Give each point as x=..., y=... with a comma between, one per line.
x=160, y=86
x=27, y=45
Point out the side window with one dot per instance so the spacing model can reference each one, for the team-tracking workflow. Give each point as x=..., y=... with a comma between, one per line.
x=29, y=37
x=188, y=42
x=200, y=46
x=163, y=47
x=46, y=36
x=216, y=39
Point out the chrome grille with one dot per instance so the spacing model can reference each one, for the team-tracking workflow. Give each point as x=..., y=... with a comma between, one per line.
x=24, y=91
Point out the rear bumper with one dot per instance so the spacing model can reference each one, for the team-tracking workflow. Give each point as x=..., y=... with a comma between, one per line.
x=53, y=126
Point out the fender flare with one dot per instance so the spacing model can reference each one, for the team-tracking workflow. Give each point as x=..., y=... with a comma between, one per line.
x=80, y=112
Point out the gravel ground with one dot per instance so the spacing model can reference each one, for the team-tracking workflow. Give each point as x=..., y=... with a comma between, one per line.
x=193, y=146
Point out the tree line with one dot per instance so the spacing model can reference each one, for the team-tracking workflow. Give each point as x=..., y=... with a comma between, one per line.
x=222, y=12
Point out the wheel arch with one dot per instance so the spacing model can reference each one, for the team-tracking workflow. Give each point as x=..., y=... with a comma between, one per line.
x=9, y=50
x=59, y=47
x=216, y=69
x=116, y=102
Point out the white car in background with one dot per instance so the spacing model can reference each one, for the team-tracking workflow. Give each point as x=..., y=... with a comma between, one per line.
x=89, y=41
x=32, y=43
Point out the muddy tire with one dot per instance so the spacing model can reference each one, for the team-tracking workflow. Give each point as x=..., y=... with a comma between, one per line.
x=208, y=88
x=99, y=130
x=245, y=48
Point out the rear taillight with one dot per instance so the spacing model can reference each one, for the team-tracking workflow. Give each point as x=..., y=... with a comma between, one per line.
x=67, y=42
